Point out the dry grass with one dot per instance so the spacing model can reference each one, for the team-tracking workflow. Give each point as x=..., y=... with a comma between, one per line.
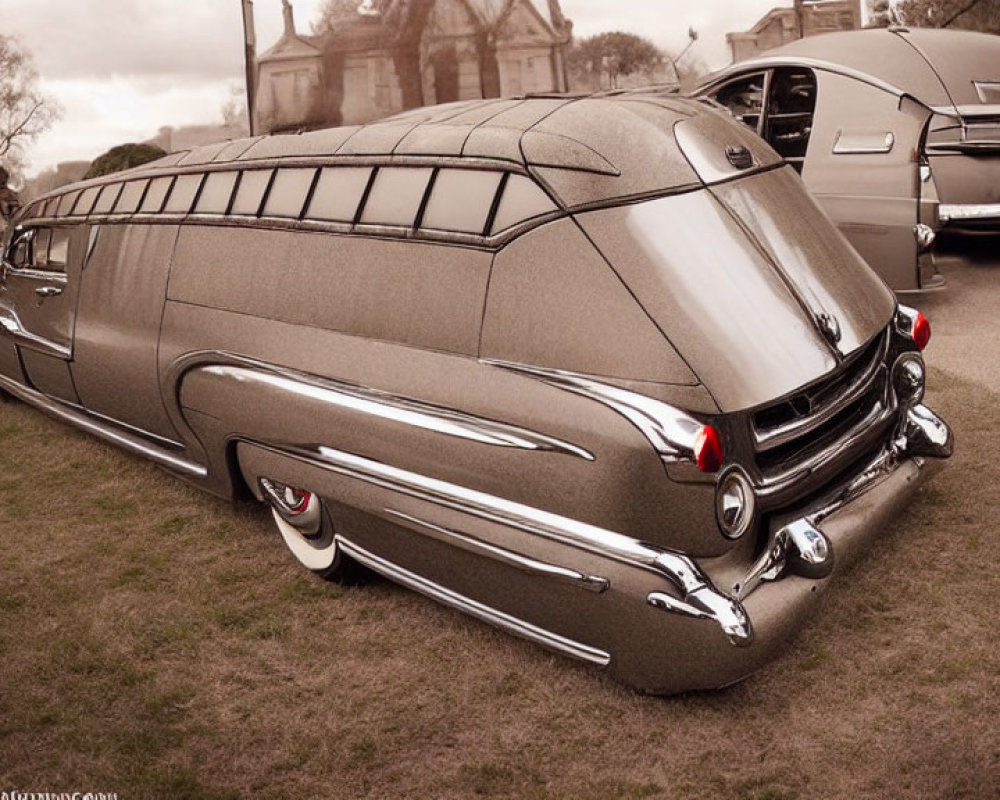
x=159, y=643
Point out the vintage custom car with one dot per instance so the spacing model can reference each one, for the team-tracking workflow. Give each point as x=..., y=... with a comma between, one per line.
x=595, y=370
x=896, y=132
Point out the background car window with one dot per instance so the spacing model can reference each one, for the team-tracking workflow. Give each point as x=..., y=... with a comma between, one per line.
x=250, y=192
x=288, y=192
x=153, y=201
x=791, y=103
x=338, y=193
x=217, y=192
x=41, y=248
x=50, y=206
x=744, y=98
x=183, y=194
x=461, y=200
x=396, y=196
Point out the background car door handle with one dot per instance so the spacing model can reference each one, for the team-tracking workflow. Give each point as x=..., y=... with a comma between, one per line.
x=48, y=291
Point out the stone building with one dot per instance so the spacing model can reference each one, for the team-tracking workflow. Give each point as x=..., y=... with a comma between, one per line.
x=398, y=54
x=805, y=18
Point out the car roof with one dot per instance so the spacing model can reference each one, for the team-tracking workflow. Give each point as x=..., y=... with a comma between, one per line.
x=935, y=66
x=585, y=149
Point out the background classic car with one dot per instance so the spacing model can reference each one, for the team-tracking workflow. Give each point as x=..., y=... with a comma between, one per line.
x=896, y=132
x=597, y=371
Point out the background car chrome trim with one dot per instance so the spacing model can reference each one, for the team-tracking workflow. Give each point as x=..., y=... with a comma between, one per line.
x=679, y=570
x=951, y=211
x=479, y=610
x=591, y=583
x=10, y=322
x=400, y=409
x=863, y=142
x=124, y=439
x=669, y=430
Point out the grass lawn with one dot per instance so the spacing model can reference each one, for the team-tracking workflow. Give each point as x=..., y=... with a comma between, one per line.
x=159, y=643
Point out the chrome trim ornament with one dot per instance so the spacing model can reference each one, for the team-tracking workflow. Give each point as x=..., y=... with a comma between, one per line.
x=132, y=442
x=486, y=613
x=471, y=544
x=948, y=212
x=698, y=596
x=669, y=430
x=908, y=379
x=798, y=548
x=395, y=408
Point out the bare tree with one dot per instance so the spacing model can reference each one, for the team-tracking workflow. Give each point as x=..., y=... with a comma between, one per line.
x=613, y=54
x=24, y=111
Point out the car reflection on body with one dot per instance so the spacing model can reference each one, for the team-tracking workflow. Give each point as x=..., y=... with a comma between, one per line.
x=896, y=132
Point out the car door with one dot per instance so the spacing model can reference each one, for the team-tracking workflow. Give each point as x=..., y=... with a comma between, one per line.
x=38, y=290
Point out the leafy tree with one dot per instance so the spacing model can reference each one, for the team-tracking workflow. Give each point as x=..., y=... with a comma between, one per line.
x=24, y=111
x=976, y=15
x=615, y=54
x=124, y=156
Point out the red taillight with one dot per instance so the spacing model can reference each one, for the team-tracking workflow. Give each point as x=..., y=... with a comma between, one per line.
x=921, y=332
x=708, y=449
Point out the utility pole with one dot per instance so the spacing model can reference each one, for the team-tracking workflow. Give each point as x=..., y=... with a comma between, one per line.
x=250, y=61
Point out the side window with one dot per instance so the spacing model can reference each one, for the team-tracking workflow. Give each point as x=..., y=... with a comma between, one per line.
x=20, y=252
x=155, y=195
x=461, y=200
x=183, y=194
x=791, y=102
x=106, y=200
x=288, y=192
x=58, y=250
x=744, y=98
x=396, y=196
x=86, y=202
x=250, y=192
x=215, y=195
x=338, y=193
x=128, y=200
x=522, y=200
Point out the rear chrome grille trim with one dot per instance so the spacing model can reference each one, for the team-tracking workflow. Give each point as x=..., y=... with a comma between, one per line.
x=823, y=401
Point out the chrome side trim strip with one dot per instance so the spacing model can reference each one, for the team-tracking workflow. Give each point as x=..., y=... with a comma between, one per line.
x=669, y=430
x=398, y=409
x=114, y=435
x=948, y=212
x=10, y=322
x=681, y=571
x=471, y=544
x=483, y=612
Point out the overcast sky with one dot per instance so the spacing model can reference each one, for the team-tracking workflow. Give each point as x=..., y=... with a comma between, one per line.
x=121, y=69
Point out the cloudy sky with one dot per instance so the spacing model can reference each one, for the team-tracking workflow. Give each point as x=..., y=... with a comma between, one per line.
x=121, y=69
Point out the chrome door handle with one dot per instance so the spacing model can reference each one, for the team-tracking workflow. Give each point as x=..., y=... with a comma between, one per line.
x=48, y=291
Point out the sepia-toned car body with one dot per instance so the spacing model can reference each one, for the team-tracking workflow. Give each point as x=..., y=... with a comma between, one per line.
x=896, y=132
x=595, y=370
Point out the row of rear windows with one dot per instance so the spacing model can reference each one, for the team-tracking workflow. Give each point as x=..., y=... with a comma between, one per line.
x=470, y=201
